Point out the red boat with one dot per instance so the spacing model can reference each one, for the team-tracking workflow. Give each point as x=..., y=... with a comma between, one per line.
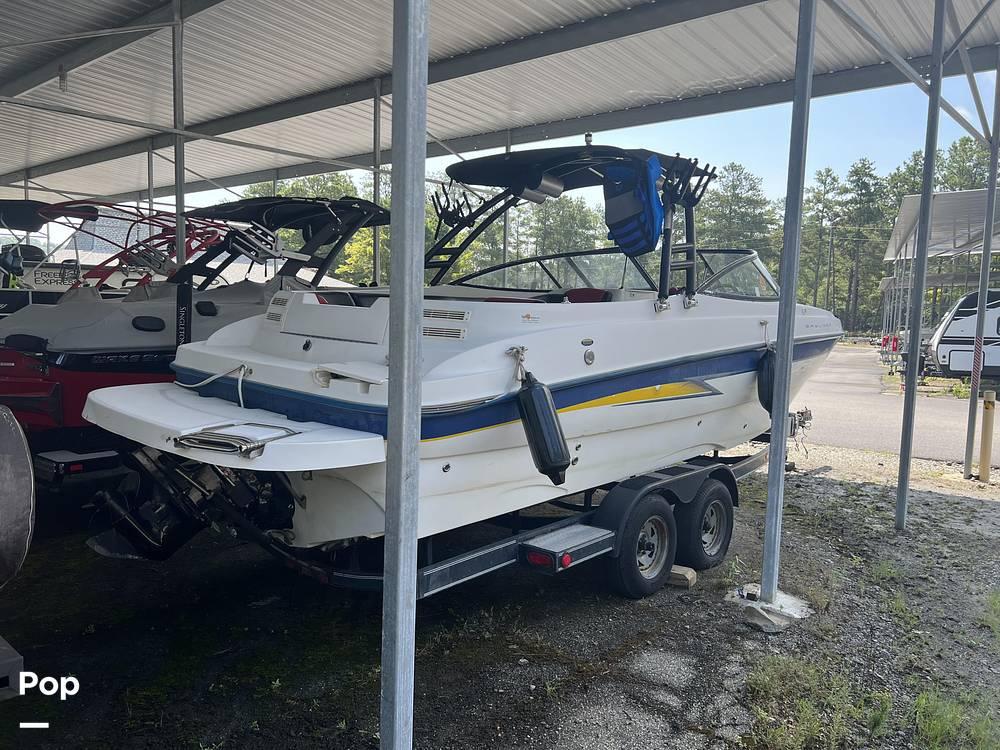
x=137, y=246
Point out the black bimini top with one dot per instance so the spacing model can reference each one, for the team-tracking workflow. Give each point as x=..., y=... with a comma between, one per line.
x=575, y=166
x=31, y=216
x=294, y=213
x=324, y=222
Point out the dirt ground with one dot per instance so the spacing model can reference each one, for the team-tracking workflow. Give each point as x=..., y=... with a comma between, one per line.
x=221, y=647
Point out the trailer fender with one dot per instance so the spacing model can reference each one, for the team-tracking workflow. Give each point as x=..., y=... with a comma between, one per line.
x=678, y=484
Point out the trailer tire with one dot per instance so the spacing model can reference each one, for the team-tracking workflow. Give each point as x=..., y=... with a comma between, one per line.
x=648, y=547
x=705, y=526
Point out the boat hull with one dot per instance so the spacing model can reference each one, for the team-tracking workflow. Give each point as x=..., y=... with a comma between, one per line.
x=479, y=475
x=475, y=471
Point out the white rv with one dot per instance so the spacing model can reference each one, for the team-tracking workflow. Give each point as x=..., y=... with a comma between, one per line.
x=951, y=346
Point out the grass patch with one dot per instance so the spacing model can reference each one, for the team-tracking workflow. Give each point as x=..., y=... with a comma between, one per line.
x=991, y=618
x=883, y=572
x=877, y=709
x=899, y=609
x=799, y=705
x=961, y=389
x=949, y=723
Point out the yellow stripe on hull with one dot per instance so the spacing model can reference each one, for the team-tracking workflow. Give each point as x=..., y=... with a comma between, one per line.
x=648, y=393
x=661, y=392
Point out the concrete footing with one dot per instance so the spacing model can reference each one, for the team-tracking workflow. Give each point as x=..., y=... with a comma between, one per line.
x=770, y=617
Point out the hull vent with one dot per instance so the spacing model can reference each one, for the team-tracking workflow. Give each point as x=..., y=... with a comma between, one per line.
x=446, y=314
x=439, y=332
x=276, y=309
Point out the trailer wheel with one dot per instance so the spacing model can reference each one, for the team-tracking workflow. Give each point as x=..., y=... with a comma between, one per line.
x=648, y=546
x=705, y=526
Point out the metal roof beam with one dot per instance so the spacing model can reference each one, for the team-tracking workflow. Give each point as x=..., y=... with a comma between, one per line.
x=884, y=46
x=635, y=20
x=824, y=84
x=92, y=34
x=970, y=75
x=957, y=44
x=95, y=49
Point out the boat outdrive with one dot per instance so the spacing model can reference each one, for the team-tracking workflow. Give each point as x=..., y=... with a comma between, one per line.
x=648, y=350
x=952, y=344
x=53, y=356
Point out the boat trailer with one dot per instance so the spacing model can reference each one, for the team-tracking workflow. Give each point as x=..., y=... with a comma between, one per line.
x=616, y=528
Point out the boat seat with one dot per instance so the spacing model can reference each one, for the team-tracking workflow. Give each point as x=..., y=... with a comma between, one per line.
x=587, y=294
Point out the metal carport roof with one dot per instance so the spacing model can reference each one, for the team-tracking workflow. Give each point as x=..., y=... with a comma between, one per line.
x=956, y=227
x=299, y=75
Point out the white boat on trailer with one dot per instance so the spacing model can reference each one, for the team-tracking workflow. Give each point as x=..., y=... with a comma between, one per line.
x=277, y=424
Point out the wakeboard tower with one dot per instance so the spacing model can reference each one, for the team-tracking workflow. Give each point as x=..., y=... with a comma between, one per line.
x=541, y=377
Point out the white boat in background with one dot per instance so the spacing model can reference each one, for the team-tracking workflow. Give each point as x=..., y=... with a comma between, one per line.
x=277, y=424
x=52, y=356
x=952, y=344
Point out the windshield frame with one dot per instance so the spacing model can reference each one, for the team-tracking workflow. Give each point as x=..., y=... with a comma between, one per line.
x=747, y=256
x=741, y=257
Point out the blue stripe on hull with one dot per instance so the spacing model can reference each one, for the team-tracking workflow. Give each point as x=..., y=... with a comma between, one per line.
x=306, y=407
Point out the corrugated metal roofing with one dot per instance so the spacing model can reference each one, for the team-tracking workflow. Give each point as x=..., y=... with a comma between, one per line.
x=245, y=54
x=957, y=222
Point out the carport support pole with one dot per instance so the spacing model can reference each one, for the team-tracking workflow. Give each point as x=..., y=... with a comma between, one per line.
x=183, y=331
x=788, y=274
x=984, y=278
x=919, y=265
x=149, y=176
x=377, y=179
x=409, y=149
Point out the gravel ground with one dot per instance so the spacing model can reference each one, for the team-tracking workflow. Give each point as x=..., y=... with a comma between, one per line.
x=220, y=647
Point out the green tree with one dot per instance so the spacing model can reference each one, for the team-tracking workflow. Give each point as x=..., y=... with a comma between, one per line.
x=565, y=224
x=735, y=212
x=906, y=179
x=331, y=185
x=965, y=166
x=823, y=204
x=863, y=230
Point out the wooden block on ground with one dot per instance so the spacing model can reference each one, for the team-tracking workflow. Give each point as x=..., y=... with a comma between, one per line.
x=683, y=577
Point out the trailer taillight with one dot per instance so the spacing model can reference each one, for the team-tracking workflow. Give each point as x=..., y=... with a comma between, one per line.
x=540, y=559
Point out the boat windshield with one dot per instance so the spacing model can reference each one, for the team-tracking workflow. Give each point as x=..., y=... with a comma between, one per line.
x=735, y=273
x=601, y=268
x=726, y=273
